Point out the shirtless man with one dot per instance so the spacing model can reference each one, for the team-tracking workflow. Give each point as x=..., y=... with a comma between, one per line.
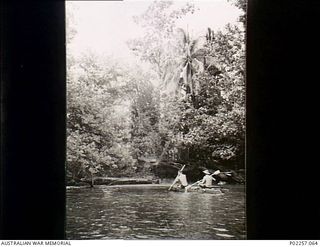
x=180, y=180
x=207, y=180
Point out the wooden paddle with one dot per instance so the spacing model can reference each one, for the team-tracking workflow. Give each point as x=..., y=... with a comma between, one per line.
x=189, y=186
x=175, y=180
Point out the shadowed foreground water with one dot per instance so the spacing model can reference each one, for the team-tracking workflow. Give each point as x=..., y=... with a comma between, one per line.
x=153, y=212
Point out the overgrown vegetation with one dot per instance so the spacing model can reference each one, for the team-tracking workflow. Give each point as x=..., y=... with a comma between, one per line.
x=189, y=108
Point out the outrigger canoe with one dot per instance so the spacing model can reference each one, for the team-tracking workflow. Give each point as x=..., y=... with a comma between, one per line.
x=213, y=190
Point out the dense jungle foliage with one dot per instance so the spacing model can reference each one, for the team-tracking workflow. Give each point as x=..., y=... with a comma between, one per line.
x=185, y=105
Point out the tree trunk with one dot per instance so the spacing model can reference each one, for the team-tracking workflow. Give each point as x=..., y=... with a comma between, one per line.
x=163, y=152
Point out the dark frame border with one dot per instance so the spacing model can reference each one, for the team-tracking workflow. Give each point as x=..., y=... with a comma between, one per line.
x=281, y=175
x=33, y=96
x=33, y=127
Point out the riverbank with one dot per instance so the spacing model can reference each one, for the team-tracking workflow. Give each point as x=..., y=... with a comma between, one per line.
x=113, y=181
x=231, y=177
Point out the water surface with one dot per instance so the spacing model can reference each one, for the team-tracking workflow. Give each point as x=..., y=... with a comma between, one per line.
x=153, y=212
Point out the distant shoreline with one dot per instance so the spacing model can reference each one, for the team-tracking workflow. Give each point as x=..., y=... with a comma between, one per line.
x=165, y=185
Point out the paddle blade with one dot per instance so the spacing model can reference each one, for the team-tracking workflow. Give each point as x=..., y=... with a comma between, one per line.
x=216, y=172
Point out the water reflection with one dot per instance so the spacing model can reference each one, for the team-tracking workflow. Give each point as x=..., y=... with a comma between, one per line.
x=153, y=212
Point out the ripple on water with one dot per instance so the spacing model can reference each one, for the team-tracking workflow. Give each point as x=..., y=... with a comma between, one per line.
x=119, y=229
x=170, y=216
x=179, y=224
x=220, y=229
x=147, y=222
x=224, y=235
x=221, y=224
x=132, y=211
x=123, y=227
x=140, y=236
x=137, y=229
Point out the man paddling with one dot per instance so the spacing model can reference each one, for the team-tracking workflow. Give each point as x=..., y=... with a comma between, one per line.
x=180, y=180
x=207, y=180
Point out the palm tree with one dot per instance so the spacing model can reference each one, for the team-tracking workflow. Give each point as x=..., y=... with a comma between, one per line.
x=190, y=64
x=209, y=62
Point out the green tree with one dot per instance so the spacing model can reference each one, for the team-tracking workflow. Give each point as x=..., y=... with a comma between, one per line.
x=98, y=134
x=215, y=131
x=190, y=64
x=241, y=4
x=144, y=115
x=158, y=46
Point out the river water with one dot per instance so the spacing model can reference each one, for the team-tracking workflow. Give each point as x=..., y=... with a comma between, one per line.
x=152, y=212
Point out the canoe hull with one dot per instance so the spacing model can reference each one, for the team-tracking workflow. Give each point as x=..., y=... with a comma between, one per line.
x=214, y=190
